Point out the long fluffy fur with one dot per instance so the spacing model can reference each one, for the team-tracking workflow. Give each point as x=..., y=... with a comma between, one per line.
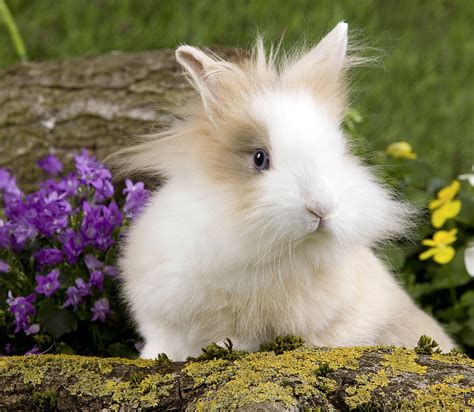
x=226, y=251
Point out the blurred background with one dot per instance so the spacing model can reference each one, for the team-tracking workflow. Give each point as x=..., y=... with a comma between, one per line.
x=423, y=91
x=412, y=117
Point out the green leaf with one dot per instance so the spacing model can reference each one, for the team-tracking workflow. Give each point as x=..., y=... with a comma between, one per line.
x=55, y=320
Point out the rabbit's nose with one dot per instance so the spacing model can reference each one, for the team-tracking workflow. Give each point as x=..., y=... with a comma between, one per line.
x=316, y=212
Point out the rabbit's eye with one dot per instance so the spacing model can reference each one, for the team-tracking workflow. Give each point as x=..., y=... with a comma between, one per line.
x=261, y=159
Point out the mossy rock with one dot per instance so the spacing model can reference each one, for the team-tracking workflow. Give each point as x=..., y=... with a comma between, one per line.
x=360, y=378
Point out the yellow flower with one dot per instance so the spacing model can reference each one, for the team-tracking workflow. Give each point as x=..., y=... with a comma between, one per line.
x=400, y=150
x=439, y=250
x=446, y=207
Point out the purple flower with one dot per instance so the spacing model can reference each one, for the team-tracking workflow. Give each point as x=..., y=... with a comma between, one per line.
x=73, y=245
x=96, y=279
x=75, y=294
x=74, y=298
x=8, y=186
x=136, y=196
x=110, y=271
x=67, y=185
x=100, y=310
x=49, y=211
x=49, y=284
x=33, y=351
x=94, y=174
x=82, y=287
x=33, y=329
x=49, y=256
x=18, y=230
x=8, y=348
x=92, y=262
x=4, y=267
x=98, y=224
x=22, y=309
x=51, y=165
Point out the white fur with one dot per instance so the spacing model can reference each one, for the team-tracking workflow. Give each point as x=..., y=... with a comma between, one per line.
x=195, y=271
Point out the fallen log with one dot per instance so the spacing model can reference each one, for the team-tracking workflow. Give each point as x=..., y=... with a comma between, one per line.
x=98, y=103
x=373, y=378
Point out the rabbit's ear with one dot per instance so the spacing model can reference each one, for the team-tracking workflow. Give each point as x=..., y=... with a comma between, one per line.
x=198, y=66
x=323, y=63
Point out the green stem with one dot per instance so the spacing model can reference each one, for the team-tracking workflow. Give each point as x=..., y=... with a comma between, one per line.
x=13, y=31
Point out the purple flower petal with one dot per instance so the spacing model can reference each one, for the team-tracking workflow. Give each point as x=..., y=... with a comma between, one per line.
x=74, y=297
x=4, y=267
x=49, y=284
x=136, y=197
x=33, y=351
x=97, y=280
x=92, y=262
x=51, y=165
x=9, y=189
x=49, y=256
x=72, y=244
x=33, y=329
x=111, y=271
x=22, y=309
x=100, y=310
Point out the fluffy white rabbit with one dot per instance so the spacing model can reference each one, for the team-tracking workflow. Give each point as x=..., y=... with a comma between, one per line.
x=265, y=223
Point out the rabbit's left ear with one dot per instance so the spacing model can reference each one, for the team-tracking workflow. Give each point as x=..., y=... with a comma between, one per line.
x=324, y=63
x=201, y=70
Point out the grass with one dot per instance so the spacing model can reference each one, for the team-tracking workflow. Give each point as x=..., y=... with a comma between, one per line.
x=422, y=94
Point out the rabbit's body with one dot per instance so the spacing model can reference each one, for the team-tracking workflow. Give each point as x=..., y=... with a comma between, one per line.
x=265, y=222
x=199, y=296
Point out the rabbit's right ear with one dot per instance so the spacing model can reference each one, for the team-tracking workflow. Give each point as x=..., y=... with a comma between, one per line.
x=199, y=67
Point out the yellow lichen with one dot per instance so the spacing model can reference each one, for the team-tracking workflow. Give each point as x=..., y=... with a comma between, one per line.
x=453, y=359
x=401, y=360
x=89, y=377
x=265, y=376
x=445, y=396
x=366, y=384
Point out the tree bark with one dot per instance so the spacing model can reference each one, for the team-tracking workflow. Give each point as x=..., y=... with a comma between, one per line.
x=98, y=103
x=333, y=379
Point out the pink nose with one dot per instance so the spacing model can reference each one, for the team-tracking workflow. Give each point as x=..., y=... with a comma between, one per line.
x=315, y=212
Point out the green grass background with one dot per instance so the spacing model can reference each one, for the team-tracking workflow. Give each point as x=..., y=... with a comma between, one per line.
x=423, y=93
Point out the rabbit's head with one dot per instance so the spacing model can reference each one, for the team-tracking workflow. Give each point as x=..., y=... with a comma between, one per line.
x=270, y=136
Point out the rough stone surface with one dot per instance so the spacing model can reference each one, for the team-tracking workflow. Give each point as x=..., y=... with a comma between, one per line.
x=374, y=378
x=99, y=103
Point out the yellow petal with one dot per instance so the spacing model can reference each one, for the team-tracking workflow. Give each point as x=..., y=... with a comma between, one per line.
x=400, y=150
x=438, y=218
x=451, y=209
x=427, y=254
x=444, y=255
x=428, y=242
x=435, y=203
x=451, y=236
x=443, y=237
x=448, y=192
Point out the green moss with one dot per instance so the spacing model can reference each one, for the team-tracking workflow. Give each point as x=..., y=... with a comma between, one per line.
x=402, y=360
x=162, y=359
x=215, y=351
x=282, y=344
x=323, y=369
x=427, y=346
x=45, y=401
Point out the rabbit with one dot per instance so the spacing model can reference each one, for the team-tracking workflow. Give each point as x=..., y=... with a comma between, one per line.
x=266, y=222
